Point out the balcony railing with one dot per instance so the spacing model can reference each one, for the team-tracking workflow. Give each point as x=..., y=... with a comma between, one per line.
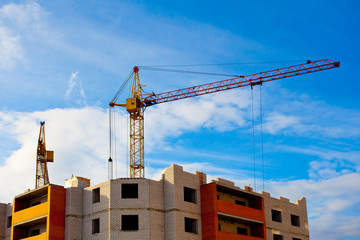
x=42, y=236
x=30, y=213
x=234, y=236
x=240, y=211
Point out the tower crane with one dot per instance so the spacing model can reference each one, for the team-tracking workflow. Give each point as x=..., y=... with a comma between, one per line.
x=137, y=103
x=42, y=158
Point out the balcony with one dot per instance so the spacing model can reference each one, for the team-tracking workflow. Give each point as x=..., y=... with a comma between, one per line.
x=233, y=236
x=42, y=236
x=240, y=211
x=31, y=214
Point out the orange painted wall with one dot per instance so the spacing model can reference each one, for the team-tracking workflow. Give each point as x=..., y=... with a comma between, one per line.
x=56, y=217
x=209, y=218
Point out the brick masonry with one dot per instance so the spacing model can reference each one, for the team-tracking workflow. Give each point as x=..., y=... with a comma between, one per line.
x=160, y=207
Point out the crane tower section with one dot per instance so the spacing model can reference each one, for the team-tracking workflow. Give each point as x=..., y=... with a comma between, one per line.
x=42, y=158
x=135, y=107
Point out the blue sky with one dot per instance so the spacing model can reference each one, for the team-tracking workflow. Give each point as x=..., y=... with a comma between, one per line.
x=62, y=62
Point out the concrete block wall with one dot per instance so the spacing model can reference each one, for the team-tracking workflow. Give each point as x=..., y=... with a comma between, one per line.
x=5, y=213
x=74, y=213
x=130, y=206
x=285, y=228
x=93, y=211
x=2, y=220
x=176, y=209
x=157, y=213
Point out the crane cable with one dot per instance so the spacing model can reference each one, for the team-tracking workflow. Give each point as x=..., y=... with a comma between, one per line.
x=115, y=148
x=110, y=143
x=253, y=132
x=262, y=142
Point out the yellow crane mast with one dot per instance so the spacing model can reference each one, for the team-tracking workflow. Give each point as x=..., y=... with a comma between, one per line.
x=135, y=107
x=42, y=157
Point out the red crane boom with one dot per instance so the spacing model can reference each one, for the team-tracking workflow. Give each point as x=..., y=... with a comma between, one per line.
x=242, y=81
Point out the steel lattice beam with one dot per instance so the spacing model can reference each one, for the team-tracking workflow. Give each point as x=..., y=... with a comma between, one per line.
x=242, y=81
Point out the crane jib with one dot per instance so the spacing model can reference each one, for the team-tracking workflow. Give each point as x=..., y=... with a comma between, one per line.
x=249, y=80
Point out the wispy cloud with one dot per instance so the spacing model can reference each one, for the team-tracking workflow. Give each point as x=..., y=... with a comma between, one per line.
x=75, y=90
x=20, y=23
x=10, y=48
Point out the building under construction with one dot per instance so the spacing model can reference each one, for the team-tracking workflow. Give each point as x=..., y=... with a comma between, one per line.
x=179, y=206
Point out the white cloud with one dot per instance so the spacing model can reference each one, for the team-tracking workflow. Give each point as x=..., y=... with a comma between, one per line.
x=276, y=122
x=21, y=24
x=79, y=138
x=332, y=204
x=222, y=112
x=10, y=49
x=75, y=90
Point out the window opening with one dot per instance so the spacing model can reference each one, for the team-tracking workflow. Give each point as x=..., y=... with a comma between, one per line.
x=191, y=225
x=96, y=225
x=189, y=195
x=276, y=215
x=130, y=222
x=242, y=231
x=278, y=237
x=9, y=220
x=96, y=195
x=129, y=191
x=295, y=220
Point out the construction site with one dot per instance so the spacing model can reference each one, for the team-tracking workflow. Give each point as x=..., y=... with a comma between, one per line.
x=179, y=206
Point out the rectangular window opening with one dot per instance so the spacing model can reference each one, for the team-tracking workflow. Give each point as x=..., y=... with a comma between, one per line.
x=129, y=191
x=219, y=226
x=238, y=202
x=242, y=231
x=278, y=237
x=276, y=215
x=95, y=225
x=130, y=222
x=34, y=232
x=189, y=195
x=191, y=225
x=96, y=195
x=295, y=220
x=296, y=239
x=8, y=223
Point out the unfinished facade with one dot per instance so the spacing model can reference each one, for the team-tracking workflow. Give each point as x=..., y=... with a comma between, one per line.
x=179, y=206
